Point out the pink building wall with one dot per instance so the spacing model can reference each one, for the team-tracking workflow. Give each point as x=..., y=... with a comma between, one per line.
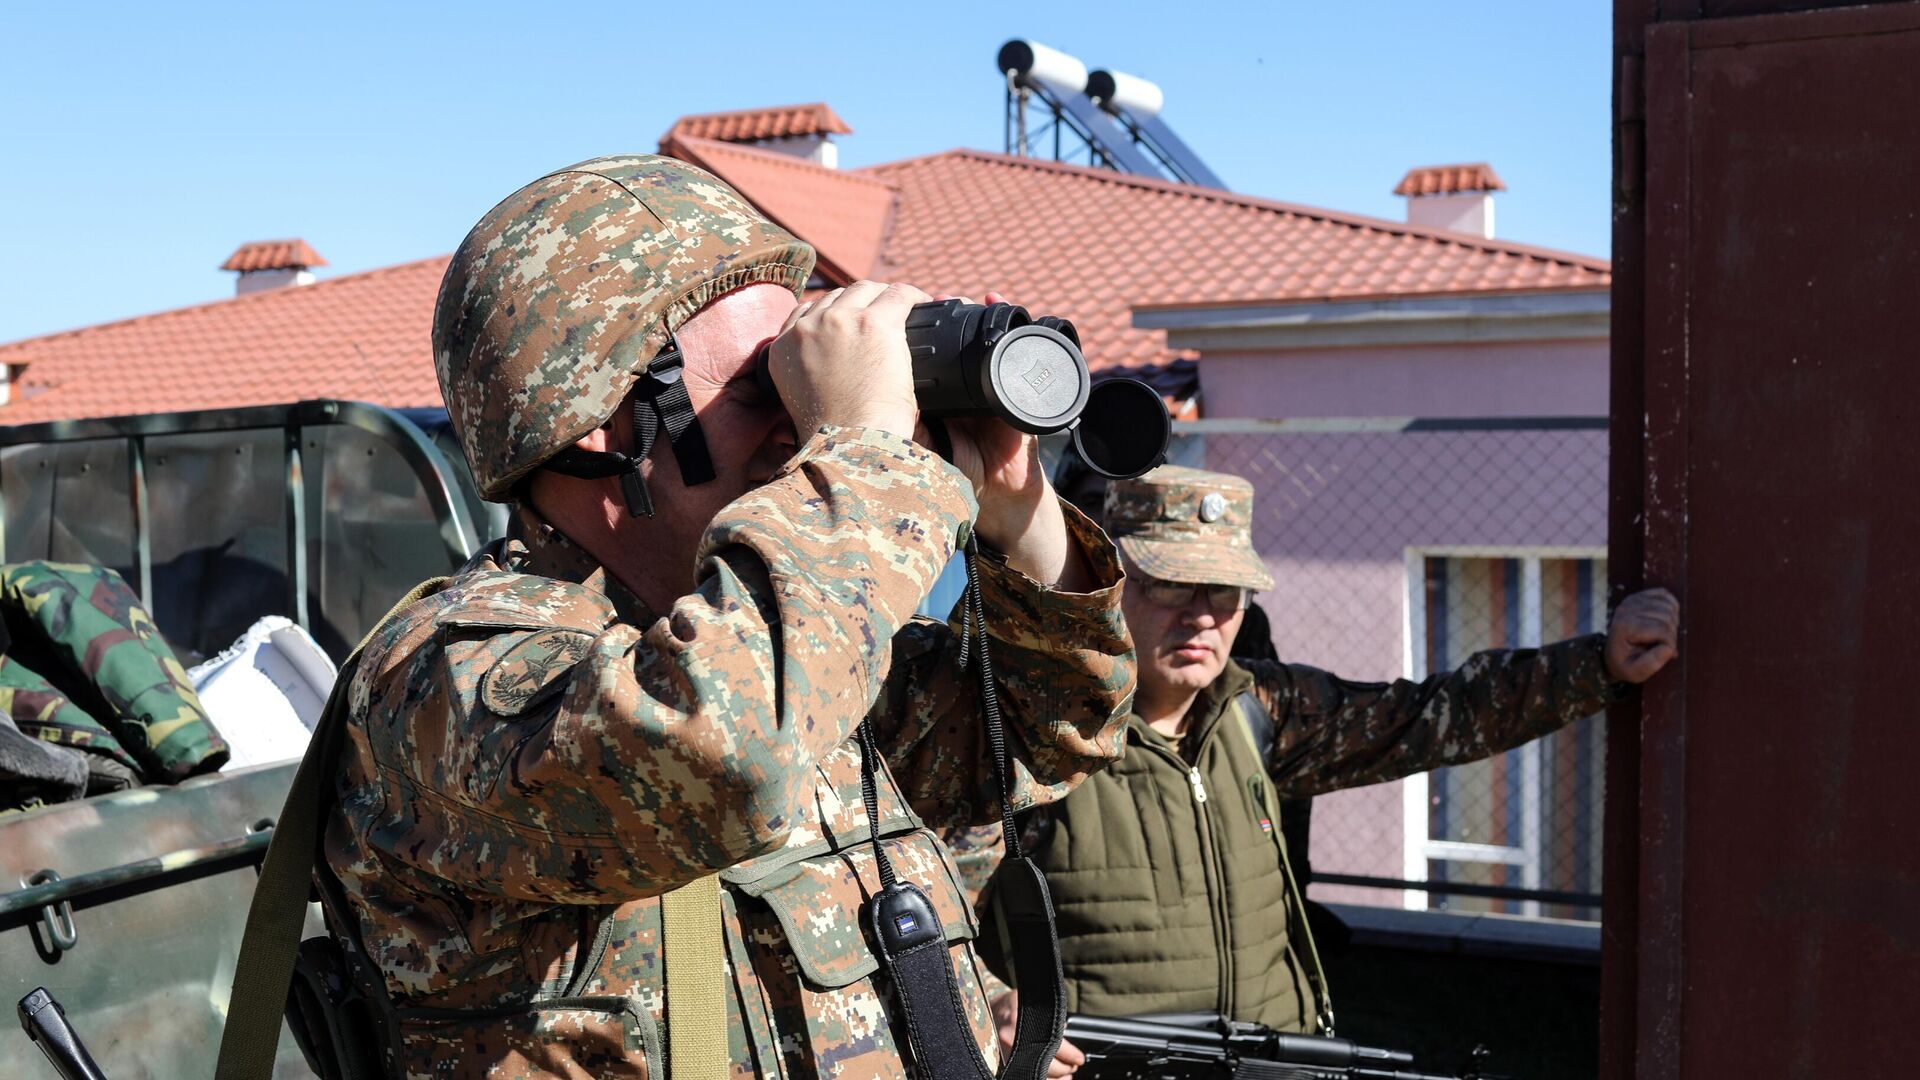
x=1337, y=513
x=1526, y=378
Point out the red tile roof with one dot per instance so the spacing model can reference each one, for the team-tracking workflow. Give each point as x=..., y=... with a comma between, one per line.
x=1449, y=179
x=273, y=255
x=1091, y=244
x=749, y=125
x=1088, y=244
x=360, y=336
x=842, y=214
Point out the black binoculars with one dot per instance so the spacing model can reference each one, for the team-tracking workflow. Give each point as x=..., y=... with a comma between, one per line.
x=998, y=360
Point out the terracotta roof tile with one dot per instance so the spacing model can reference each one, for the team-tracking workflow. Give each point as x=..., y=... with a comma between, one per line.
x=1091, y=245
x=273, y=255
x=1449, y=179
x=1084, y=243
x=843, y=215
x=749, y=125
x=360, y=336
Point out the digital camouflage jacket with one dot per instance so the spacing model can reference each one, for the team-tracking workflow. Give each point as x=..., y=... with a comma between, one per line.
x=1168, y=880
x=532, y=758
x=83, y=666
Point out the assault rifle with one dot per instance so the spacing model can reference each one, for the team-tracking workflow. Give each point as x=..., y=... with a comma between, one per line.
x=1201, y=1046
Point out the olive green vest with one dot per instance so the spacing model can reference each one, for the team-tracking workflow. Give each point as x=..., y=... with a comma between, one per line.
x=1169, y=879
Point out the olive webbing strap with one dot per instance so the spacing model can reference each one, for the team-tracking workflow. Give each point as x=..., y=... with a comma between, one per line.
x=690, y=937
x=1242, y=721
x=256, y=1005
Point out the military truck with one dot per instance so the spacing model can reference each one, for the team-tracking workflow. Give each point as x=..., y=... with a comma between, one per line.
x=129, y=907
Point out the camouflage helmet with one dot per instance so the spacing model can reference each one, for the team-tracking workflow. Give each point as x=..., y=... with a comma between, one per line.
x=564, y=291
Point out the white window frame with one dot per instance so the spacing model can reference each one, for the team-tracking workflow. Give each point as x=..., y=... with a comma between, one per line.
x=1417, y=844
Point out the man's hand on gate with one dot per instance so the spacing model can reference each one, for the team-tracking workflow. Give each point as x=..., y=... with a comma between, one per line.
x=1644, y=635
x=1006, y=1009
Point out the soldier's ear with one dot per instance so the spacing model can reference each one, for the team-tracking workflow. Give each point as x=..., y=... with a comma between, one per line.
x=599, y=440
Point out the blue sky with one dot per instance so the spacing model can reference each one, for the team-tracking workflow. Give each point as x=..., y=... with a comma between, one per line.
x=142, y=143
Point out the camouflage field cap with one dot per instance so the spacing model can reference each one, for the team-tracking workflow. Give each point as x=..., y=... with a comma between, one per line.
x=1187, y=525
x=569, y=286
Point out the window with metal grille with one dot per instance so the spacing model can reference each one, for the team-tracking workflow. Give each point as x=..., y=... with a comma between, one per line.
x=1527, y=820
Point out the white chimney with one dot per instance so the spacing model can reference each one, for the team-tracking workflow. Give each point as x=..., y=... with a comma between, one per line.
x=802, y=131
x=1457, y=198
x=272, y=264
x=818, y=148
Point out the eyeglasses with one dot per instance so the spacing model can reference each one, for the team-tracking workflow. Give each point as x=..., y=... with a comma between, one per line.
x=1171, y=594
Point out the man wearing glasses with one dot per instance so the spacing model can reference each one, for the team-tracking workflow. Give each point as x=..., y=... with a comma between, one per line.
x=1168, y=872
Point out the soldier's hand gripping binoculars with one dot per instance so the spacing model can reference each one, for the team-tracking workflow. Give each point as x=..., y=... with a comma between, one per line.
x=998, y=360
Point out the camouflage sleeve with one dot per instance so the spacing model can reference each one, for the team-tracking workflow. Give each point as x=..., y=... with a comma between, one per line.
x=977, y=851
x=1064, y=672
x=688, y=745
x=87, y=620
x=35, y=771
x=1332, y=734
x=38, y=708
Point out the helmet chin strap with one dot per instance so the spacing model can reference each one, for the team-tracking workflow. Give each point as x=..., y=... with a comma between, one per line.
x=660, y=402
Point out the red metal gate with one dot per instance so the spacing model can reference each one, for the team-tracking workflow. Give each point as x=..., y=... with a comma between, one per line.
x=1763, y=880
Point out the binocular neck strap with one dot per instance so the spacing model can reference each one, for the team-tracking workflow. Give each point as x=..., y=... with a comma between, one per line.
x=911, y=942
x=660, y=402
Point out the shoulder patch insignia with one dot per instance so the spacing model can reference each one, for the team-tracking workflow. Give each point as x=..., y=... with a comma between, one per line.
x=532, y=671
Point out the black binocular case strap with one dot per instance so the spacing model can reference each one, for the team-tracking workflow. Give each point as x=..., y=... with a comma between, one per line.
x=1021, y=893
x=912, y=948
x=912, y=944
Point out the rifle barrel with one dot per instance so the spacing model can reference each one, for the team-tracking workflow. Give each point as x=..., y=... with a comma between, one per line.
x=1249, y=1051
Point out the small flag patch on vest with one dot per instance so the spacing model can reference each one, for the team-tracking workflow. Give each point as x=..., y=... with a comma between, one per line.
x=906, y=924
x=1266, y=826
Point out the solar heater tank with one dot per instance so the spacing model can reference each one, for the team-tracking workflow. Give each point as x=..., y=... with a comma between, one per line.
x=1118, y=92
x=1032, y=62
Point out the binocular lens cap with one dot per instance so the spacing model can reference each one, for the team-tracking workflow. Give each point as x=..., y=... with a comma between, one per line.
x=1039, y=377
x=1125, y=429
